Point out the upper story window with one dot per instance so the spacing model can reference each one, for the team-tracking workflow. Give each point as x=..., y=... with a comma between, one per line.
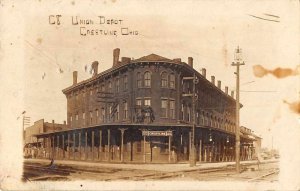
x=125, y=110
x=147, y=102
x=189, y=113
x=91, y=117
x=139, y=80
x=147, y=79
x=117, y=112
x=97, y=115
x=117, y=85
x=110, y=112
x=91, y=92
x=164, y=79
x=109, y=86
x=102, y=114
x=76, y=117
x=139, y=105
x=164, y=106
x=102, y=89
x=172, y=81
x=172, y=109
x=125, y=82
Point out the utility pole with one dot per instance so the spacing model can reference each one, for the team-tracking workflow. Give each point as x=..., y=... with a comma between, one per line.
x=195, y=81
x=237, y=62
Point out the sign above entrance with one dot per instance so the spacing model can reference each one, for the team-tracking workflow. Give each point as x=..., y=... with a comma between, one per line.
x=157, y=133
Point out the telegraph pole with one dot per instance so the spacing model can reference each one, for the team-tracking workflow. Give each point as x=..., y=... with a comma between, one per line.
x=193, y=149
x=237, y=62
x=193, y=96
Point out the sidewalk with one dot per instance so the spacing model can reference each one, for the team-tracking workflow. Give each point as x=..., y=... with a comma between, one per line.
x=152, y=167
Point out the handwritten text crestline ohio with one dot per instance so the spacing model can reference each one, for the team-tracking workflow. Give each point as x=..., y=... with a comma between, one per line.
x=90, y=27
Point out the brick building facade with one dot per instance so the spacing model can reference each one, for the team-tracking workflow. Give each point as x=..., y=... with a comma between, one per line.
x=142, y=111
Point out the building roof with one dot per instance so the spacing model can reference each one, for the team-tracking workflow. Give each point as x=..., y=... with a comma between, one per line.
x=152, y=58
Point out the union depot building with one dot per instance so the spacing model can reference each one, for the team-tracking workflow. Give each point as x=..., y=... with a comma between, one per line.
x=143, y=110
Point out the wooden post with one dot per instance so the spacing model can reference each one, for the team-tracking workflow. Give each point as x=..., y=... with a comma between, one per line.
x=49, y=146
x=144, y=149
x=74, y=143
x=219, y=153
x=86, y=156
x=100, y=145
x=190, y=145
x=169, y=149
x=200, y=150
x=79, y=145
x=122, y=143
x=57, y=146
x=210, y=153
x=63, y=146
x=93, y=144
x=205, y=154
x=68, y=145
x=37, y=148
x=108, y=143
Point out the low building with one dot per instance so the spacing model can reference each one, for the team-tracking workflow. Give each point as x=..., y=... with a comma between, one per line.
x=152, y=109
x=31, y=142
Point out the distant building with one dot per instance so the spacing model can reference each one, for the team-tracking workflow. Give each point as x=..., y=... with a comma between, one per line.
x=31, y=142
x=142, y=111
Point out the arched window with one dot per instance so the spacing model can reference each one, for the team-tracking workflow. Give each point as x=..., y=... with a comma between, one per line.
x=147, y=79
x=172, y=81
x=164, y=79
x=139, y=79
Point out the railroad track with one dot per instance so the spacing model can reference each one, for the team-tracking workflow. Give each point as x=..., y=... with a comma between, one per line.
x=164, y=175
x=264, y=176
x=151, y=176
x=63, y=171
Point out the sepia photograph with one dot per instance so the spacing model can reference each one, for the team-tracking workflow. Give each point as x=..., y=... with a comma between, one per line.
x=149, y=95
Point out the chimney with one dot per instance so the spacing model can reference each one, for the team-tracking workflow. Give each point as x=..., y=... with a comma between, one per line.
x=190, y=61
x=65, y=123
x=116, y=55
x=204, y=72
x=219, y=84
x=226, y=90
x=177, y=59
x=52, y=125
x=232, y=94
x=213, y=80
x=75, y=73
x=125, y=60
x=95, y=67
